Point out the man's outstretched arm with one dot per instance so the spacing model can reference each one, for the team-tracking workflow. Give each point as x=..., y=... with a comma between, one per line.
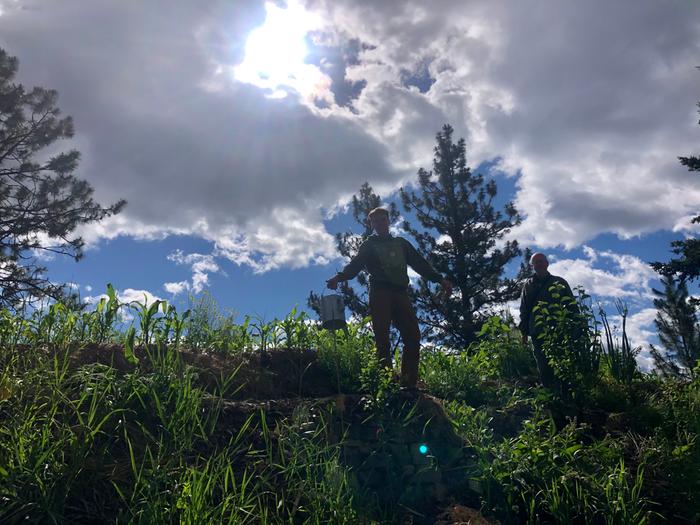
x=416, y=261
x=350, y=270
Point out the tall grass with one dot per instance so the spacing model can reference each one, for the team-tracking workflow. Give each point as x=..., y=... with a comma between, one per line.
x=543, y=475
x=96, y=444
x=87, y=442
x=619, y=356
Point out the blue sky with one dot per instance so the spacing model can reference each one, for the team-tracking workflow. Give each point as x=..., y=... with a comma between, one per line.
x=238, y=130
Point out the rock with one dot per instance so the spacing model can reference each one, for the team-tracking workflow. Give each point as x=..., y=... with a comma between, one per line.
x=460, y=515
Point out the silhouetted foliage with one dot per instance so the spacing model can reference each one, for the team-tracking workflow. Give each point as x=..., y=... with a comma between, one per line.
x=619, y=356
x=459, y=231
x=41, y=202
x=679, y=330
x=570, y=340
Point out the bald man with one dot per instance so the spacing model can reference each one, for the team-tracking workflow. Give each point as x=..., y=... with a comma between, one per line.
x=536, y=289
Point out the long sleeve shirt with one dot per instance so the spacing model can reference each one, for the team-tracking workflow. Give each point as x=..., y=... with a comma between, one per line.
x=536, y=289
x=386, y=260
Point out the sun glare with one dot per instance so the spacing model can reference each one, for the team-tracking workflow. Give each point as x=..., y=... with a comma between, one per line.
x=275, y=53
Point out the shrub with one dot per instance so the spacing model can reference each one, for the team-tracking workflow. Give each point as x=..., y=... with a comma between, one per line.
x=570, y=340
x=548, y=476
x=513, y=359
x=456, y=375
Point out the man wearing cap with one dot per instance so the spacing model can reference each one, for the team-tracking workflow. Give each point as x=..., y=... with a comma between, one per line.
x=386, y=258
x=536, y=289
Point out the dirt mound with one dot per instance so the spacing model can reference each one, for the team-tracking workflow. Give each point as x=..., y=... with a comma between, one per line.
x=273, y=374
x=402, y=453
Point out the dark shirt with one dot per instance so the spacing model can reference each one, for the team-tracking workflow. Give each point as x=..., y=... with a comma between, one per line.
x=537, y=289
x=386, y=260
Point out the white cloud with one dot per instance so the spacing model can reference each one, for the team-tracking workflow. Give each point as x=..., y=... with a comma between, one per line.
x=641, y=330
x=176, y=288
x=687, y=226
x=513, y=307
x=201, y=265
x=589, y=113
x=119, y=225
x=42, y=255
x=627, y=278
x=130, y=295
x=413, y=277
x=287, y=239
x=93, y=299
x=574, y=111
x=164, y=125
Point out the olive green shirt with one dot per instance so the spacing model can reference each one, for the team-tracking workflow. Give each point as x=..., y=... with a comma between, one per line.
x=386, y=260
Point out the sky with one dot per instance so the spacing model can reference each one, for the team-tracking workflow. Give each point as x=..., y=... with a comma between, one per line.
x=238, y=130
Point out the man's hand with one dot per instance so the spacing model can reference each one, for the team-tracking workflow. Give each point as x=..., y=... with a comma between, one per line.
x=446, y=288
x=332, y=283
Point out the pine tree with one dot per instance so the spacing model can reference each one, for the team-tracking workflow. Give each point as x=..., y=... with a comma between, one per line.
x=348, y=243
x=41, y=202
x=461, y=235
x=679, y=330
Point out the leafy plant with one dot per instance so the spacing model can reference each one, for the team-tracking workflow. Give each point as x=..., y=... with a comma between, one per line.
x=497, y=338
x=570, y=340
x=378, y=382
x=457, y=375
x=148, y=322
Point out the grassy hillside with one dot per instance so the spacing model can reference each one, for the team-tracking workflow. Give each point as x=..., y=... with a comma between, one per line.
x=194, y=418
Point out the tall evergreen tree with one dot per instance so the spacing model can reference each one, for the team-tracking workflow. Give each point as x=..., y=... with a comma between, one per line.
x=460, y=229
x=678, y=327
x=41, y=202
x=348, y=243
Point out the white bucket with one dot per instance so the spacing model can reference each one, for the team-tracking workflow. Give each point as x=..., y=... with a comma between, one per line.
x=332, y=312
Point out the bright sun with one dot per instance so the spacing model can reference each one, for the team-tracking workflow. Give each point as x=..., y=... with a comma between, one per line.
x=275, y=53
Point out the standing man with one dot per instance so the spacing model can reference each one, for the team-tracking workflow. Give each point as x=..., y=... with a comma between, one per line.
x=386, y=258
x=536, y=289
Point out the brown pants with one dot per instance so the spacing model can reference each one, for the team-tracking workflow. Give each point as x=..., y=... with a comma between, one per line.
x=386, y=306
